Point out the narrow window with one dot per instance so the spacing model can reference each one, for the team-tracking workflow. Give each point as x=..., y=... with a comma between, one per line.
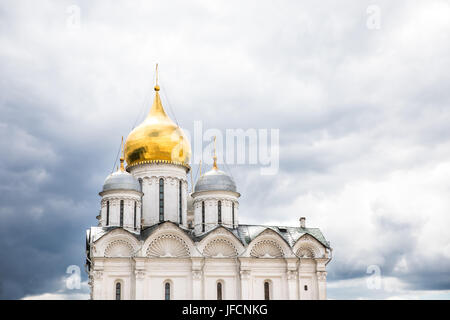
x=179, y=204
x=219, y=291
x=203, y=216
x=306, y=288
x=219, y=212
x=266, y=290
x=232, y=212
x=140, y=188
x=167, y=291
x=107, y=213
x=121, y=213
x=118, y=291
x=161, y=200
x=135, y=224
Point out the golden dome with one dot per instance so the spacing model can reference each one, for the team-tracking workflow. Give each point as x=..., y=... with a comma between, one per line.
x=157, y=140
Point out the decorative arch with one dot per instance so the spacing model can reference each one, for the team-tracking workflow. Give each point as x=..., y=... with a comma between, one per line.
x=220, y=247
x=269, y=244
x=308, y=247
x=215, y=241
x=305, y=252
x=170, y=230
x=266, y=249
x=168, y=245
x=118, y=242
x=119, y=248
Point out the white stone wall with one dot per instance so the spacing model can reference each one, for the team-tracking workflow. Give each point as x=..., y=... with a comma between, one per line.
x=150, y=174
x=193, y=269
x=211, y=200
x=114, y=197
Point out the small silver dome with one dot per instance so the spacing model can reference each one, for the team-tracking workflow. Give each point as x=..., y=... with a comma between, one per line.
x=216, y=180
x=121, y=180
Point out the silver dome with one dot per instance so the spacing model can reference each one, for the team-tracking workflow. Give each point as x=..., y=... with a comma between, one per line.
x=121, y=180
x=216, y=180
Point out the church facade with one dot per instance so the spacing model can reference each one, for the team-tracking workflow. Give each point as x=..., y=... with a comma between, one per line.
x=157, y=240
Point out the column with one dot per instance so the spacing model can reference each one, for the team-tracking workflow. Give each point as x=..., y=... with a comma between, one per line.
x=140, y=282
x=321, y=278
x=245, y=285
x=197, y=278
x=245, y=277
x=139, y=276
x=292, y=275
x=322, y=284
x=99, y=291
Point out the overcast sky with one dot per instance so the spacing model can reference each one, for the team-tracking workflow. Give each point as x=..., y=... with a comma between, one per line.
x=359, y=90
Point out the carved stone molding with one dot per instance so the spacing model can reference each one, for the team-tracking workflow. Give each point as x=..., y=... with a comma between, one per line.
x=245, y=274
x=305, y=252
x=321, y=275
x=115, y=200
x=140, y=274
x=119, y=248
x=220, y=248
x=97, y=275
x=168, y=245
x=197, y=274
x=292, y=275
x=267, y=249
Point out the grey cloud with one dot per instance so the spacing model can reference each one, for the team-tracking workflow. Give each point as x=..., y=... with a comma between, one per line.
x=351, y=104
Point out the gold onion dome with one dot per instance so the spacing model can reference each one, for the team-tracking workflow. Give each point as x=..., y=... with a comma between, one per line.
x=157, y=140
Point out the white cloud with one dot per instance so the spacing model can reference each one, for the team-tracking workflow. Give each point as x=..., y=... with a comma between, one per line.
x=58, y=296
x=363, y=114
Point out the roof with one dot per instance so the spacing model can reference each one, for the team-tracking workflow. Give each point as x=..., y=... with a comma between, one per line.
x=121, y=180
x=291, y=234
x=215, y=180
x=244, y=232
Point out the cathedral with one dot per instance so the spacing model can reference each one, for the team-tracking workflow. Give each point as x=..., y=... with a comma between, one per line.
x=156, y=239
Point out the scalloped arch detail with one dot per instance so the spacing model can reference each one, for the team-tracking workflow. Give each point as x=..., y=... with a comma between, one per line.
x=168, y=245
x=220, y=248
x=307, y=250
x=119, y=248
x=267, y=249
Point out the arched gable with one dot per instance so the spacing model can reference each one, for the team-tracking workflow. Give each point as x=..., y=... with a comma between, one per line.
x=268, y=244
x=220, y=247
x=308, y=247
x=169, y=240
x=119, y=248
x=116, y=243
x=168, y=245
x=220, y=243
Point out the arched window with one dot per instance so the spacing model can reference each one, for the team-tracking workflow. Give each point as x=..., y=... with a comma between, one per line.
x=232, y=212
x=135, y=224
x=121, y=213
x=266, y=290
x=107, y=213
x=118, y=291
x=179, y=204
x=219, y=290
x=203, y=216
x=161, y=200
x=219, y=212
x=167, y=291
